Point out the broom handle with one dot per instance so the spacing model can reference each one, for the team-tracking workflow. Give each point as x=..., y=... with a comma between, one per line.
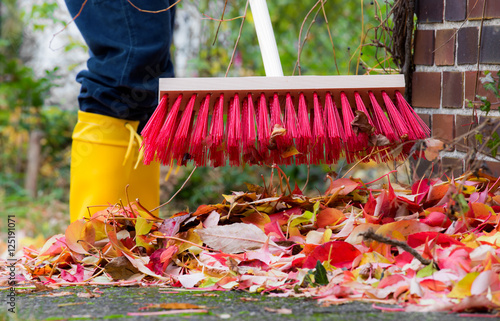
x=265, y=35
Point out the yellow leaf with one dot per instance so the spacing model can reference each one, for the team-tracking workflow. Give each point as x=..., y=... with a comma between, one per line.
x=289, y=152
x=142, y=226
x=373, y=257
x=463, y=287
x=492, y=238
x=327, y=236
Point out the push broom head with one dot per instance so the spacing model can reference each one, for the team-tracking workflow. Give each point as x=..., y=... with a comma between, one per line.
x=280, y=120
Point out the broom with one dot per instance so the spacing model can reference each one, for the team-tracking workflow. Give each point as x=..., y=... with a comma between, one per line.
x=280, y=119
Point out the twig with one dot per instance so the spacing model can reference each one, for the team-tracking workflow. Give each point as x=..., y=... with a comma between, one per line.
x=220, y=22
x=371, y=235
x=301, y=44
x=330, y=35
x=237, y=40
x=66, y=26
x=180, y=189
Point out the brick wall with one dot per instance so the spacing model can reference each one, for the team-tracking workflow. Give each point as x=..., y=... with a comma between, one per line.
x=455, y=42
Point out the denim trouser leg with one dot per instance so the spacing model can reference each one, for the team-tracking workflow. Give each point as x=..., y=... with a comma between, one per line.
x=129, y=51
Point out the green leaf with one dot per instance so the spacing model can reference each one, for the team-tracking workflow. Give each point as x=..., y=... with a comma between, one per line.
x=479, y=138
x=320, y=277
x=426, y=271
x=462, y=202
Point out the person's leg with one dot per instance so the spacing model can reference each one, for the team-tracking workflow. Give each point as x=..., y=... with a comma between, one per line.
x=129, y=51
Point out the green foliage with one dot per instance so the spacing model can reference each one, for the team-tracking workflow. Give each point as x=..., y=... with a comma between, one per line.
x=23, y=109
x=492, y=84
x=352, y=24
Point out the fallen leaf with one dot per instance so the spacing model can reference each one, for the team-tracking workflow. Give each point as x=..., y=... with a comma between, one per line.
x=120, y=268
x=337, y=253
x=235, y=238
x=280, y=311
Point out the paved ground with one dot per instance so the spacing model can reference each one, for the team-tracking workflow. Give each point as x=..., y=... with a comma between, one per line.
x=115, y=304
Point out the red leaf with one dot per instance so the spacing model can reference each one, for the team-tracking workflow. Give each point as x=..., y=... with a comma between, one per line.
x=342, y=185
x=339, y=254
x=420, y=238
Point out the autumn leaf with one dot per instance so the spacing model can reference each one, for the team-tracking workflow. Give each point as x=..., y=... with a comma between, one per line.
x=336, y=253
x=235, y=238
x=360, y=124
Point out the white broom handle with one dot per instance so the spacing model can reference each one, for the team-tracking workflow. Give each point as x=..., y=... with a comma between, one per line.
x=265, y=35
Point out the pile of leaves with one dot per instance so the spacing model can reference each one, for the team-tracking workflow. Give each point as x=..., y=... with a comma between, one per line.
x=432, y=246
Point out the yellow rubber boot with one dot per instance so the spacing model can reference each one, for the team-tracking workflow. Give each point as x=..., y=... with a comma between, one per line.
x=101, y=168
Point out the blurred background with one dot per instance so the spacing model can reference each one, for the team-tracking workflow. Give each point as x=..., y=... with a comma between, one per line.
x=41, y=52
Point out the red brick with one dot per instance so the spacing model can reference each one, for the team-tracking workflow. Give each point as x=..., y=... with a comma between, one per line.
x=429, y=10
x=467, y=45
x=492, y=9
x=445, y=47
x=452, y=167
x=426, y=89
x=424, y=47
x=456, y=10
x=465, y=124
x=426, y=118
x=470, y=86
x=453, y=89
x=443, y=127
x=492, y=168
x=490, y=44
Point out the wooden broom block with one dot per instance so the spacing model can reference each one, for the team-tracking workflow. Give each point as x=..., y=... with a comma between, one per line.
x=280, y=85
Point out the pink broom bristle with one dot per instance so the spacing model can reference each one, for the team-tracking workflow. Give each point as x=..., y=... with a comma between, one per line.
x=364, y=137
x=397, y=121
x=248, y=126
x=166, y=134
x=380, y=120
x=281, y=141
x=317, y=151
x=291, y=121
x=216, y=137
x=263, y=129
x=334, y=131
x=198, y=147
x=152, y=129
x=305, y=134
x=360, y=105
x=414, y=122
x=354, y=144
x=233, y=142
x=183, y=132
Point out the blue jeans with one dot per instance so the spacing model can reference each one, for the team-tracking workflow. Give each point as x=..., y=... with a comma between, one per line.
x=129, y=51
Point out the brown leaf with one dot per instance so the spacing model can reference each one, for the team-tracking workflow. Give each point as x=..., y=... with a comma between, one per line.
x=379, y=140
x=360, y=124
x=120, y=268
x=432, y=148
x=40, y=287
